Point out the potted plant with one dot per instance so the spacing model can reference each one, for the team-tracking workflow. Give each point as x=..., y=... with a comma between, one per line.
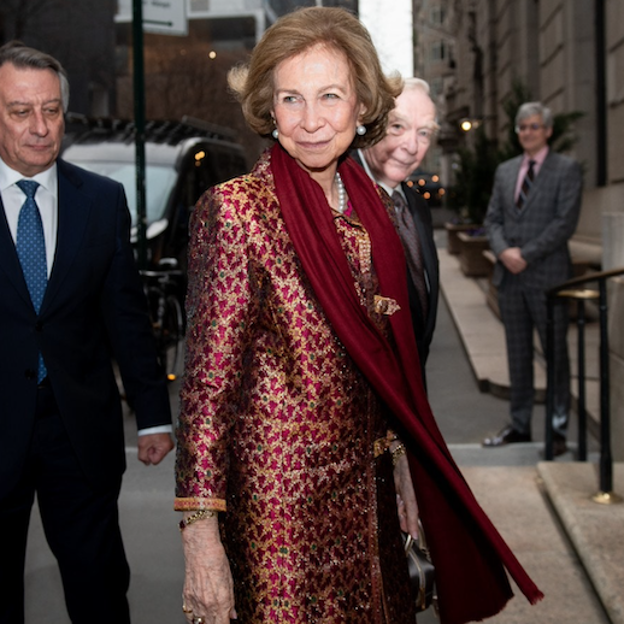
x=474, y=179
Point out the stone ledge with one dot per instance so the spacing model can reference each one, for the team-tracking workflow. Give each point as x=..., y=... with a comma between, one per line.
x=595, y=530
x=586, y=251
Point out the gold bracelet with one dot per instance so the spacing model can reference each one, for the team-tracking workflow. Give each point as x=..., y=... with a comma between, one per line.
x=397, y=453
x=198, y=515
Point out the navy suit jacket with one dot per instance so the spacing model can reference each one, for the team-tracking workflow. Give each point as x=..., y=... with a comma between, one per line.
x=424, y=324
x=93, y=309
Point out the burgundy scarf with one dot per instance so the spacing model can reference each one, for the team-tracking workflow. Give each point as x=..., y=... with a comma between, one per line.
x=469, y=553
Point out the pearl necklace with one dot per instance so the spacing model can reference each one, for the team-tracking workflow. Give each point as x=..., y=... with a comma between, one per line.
x=342, y=194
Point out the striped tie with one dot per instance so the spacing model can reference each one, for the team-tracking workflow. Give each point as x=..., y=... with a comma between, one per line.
x=411, y=242
x=527, y=183
x=30, y=246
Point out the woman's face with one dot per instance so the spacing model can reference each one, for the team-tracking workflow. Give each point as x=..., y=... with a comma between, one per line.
x=315, y=108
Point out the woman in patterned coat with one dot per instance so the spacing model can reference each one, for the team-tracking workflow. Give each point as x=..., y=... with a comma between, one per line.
x=302, y=381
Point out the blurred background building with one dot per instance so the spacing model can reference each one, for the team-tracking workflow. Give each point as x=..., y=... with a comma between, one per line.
x=569, y=55
x=479, y=55
x=80, y=34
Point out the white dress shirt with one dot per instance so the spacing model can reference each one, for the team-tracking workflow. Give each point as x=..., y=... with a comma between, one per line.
x=47, y=200
x=385, y=187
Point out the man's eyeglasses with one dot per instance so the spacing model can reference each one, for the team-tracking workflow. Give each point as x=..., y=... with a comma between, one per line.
x=532, y=126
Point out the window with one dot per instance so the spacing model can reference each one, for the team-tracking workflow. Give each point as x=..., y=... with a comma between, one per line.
x=439, y=51
x=437, y=87
x=437, y=16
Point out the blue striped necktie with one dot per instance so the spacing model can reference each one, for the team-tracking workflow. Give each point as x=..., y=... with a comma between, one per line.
x=30, y=245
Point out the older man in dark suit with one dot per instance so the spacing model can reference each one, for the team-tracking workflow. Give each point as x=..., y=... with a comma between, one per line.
x=532, y=213
x=411, y=128
x=71, y=298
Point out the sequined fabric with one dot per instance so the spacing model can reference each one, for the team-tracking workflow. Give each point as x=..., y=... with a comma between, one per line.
x=278, y=425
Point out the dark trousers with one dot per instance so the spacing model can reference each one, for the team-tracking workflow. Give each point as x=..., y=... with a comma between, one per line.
x=81, y=526
x=523, y=311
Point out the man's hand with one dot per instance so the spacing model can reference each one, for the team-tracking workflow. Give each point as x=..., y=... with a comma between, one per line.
x=153, y=447
x=513, y=260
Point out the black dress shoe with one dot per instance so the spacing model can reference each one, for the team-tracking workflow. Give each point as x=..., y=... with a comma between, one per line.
x=508, y=435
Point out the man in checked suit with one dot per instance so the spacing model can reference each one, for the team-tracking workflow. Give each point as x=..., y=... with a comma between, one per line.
x=532, y=213
x=61, y=428
x=411, y=128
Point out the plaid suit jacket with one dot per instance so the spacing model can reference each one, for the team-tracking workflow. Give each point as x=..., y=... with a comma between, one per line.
x=544, y=224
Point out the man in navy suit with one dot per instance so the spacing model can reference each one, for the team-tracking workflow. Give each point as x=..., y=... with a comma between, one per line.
x=61, y=428
x=411, y=128
x=533, y=211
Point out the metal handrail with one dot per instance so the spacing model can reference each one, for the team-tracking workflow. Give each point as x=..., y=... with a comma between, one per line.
x=569, y=290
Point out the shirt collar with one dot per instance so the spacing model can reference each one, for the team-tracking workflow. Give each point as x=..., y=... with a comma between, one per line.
x=46, y=178
x=539, y=158
x=385, y=187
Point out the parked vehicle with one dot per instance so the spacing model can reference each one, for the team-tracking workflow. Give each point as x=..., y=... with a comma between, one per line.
x=182, y=158
x=162, y=290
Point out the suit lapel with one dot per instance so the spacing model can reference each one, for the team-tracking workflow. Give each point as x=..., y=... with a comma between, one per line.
x=423, y=235
x=9, y=262
x=514, y=170
x=74, y=208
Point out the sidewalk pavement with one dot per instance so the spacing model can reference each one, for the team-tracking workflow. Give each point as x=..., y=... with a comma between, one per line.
x=595, y=531
x=511, y=495
x=571, y=546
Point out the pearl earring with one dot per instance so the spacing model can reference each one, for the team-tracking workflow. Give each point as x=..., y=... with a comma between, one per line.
x=361, y=130
x=275, y=133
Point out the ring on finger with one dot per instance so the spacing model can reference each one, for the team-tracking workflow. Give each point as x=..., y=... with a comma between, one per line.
x=185, y=609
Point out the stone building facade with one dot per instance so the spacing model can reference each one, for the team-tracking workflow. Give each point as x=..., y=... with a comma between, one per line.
x=570, y=55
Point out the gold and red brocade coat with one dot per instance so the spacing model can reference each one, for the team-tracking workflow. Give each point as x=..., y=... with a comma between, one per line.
x=277, y=425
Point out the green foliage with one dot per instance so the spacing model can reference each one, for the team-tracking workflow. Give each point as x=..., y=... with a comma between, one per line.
x=563, y=137
x=477, y=163
x=475, y=176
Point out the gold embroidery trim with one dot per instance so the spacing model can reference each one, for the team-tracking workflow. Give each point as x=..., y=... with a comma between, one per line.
x=386, y=305
x=380, y=446
x=199, y=504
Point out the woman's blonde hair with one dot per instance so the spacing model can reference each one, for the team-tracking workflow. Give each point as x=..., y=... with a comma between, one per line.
x=295, y=33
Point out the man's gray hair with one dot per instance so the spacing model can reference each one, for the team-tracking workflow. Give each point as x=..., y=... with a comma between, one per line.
x=528, y=109
x=23, y=57
x=418, y=84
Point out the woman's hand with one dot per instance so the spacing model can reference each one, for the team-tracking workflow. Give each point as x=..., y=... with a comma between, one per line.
x=406, y=498
x=208, y=588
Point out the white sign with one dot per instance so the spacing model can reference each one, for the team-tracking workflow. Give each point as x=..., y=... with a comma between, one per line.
x=165, y=17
